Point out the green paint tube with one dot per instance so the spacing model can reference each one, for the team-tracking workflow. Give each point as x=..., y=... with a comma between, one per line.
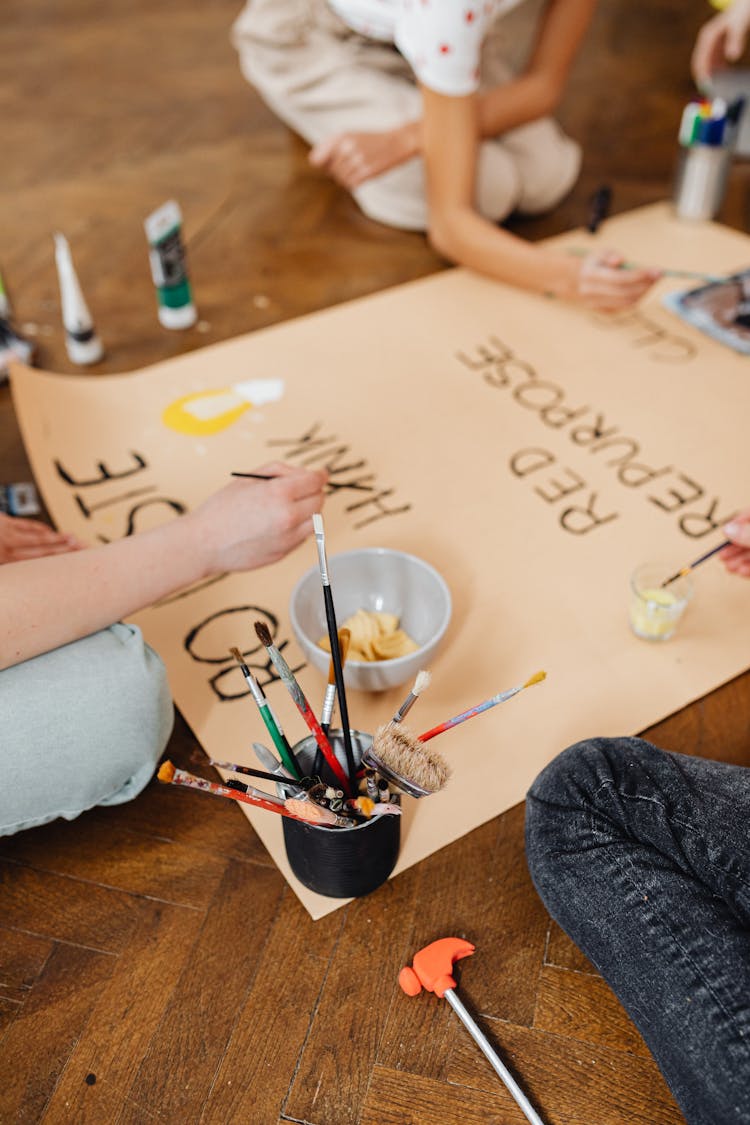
x=168, y=266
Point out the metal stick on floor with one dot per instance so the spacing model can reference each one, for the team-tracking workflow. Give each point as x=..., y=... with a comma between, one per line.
x=431, y=969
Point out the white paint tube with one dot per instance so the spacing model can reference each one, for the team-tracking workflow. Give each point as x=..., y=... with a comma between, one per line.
x=82, y=343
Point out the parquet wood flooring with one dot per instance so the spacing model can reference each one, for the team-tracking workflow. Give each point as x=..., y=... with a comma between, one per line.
x=115, y=1005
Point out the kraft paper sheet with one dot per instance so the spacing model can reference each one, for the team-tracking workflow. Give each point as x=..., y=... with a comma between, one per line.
x=533, y=452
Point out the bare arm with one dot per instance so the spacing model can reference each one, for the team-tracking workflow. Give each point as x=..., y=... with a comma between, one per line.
x=539, y=89
x=459, y=232
x=721, y=40
x=48, y=602
x=352, y=158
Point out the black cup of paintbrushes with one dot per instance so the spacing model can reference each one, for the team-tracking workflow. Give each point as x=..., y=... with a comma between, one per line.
x=341, y=862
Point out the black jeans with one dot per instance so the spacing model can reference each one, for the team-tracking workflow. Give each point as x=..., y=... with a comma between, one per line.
x=643, y=857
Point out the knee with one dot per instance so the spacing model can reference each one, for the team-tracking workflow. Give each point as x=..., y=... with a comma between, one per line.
x=91, y=718
x=548, y=164
x=561, y=801
x=397, y=198
x=577, y=801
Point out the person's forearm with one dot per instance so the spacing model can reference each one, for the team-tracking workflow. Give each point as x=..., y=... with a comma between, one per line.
x=538, y=90
x=463, y=236
x=525, y=99
x=48, y=602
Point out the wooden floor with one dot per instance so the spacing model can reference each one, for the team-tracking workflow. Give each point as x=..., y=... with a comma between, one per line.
x=114, y=1003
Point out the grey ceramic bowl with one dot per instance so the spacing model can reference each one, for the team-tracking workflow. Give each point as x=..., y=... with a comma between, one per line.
x=381, y=579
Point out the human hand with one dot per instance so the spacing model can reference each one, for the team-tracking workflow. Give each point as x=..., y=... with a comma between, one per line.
x=720, y=40
x=737, y=557
x=605, y=283
x=30, y=539
x=251, y=523
x=353, y=158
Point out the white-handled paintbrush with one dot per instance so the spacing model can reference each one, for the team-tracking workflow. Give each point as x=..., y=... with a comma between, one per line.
x=421, y=684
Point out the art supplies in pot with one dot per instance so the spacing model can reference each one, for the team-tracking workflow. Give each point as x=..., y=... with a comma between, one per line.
x=338, y=791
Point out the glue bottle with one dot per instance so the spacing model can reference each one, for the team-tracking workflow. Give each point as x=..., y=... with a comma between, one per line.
x=168, y=266
x=81, y=341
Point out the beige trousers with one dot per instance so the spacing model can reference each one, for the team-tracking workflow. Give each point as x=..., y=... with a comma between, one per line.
x=321, y=78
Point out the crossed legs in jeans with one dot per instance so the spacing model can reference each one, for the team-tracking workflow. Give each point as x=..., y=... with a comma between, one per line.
x=643, y=857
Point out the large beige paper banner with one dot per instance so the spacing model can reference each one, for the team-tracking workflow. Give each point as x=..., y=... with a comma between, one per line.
x=534, y=453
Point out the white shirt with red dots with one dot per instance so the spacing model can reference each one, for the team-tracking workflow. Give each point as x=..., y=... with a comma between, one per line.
x=440, y=39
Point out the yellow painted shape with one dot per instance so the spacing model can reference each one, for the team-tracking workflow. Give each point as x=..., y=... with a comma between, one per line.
x=202, y=422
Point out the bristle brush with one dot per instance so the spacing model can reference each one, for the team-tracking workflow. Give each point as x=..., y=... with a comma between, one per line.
x=399, y=756
x=304, y=708
x=333, y=637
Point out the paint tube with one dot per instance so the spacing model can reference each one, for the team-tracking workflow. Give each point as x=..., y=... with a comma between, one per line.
x=168, y=266
x=81, y=341
x=13, y=346
x=4, y=301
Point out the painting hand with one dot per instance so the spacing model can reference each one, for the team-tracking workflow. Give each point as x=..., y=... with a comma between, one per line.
x=251, y=523
x=737, y=557
x=606, y=284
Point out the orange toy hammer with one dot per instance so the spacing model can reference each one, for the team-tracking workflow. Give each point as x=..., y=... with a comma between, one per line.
x=432, y=970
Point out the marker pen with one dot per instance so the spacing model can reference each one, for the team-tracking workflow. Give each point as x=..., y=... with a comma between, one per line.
x=168, y=266
x=81, y=341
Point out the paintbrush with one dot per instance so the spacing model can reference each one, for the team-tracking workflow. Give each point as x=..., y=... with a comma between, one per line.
x=270, y=762
x=249, y=771
x=421, y=684
x=399, y=756
x=333, y=637
x=170, y=775
x=304, y=708
x=313, y=813
x=269, y=718
x=696, y=562
x=307, y=811
x=488, y=703
x=694, y=275
x=329, y=699
x=402, y=757
x=255, y=476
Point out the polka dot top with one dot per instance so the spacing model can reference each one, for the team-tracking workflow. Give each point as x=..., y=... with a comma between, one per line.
x=440, y=39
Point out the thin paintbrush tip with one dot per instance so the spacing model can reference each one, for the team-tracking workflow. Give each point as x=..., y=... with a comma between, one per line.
x=166, y=772
x=237, y=655
x=421, y=683
x=318, y=524
x=536, y=679
x=264, y=634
